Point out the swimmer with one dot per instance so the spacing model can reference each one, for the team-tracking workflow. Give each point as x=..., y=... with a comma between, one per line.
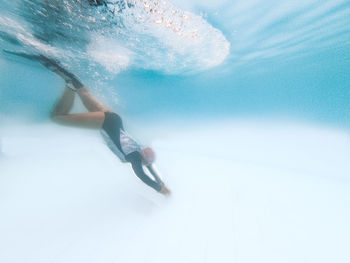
x=100, y=117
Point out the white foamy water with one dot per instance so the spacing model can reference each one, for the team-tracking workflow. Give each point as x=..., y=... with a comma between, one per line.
x=152, y=35
x=242, y=192
x=109, y=54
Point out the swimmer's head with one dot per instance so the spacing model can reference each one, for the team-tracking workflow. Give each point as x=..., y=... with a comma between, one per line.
x=148, y=155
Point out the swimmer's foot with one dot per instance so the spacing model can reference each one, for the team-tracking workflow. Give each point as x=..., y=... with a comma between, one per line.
x=55, y=67
x=70, y=85
x=47, y=62
x=21, y=54
x=52, y=65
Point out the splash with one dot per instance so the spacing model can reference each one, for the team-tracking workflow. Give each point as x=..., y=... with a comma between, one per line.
x=109, y=54
x=152, y=35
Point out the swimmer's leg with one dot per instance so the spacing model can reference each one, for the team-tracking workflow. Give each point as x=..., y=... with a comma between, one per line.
x=55, y=67
x=91, y=120
x=65, y=103
x=90, y=102
x=60, y=113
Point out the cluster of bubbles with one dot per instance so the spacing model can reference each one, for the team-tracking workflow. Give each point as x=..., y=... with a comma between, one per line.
x=104, y=37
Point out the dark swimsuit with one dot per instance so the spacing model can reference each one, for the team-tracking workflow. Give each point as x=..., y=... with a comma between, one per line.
x=112, y=126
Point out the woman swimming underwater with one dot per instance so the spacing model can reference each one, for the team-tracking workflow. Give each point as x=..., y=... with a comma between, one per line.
x=100, y=117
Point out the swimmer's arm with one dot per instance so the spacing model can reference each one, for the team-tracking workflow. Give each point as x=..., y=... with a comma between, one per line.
x=154, y=173
x=164, y=190
x=136, y=162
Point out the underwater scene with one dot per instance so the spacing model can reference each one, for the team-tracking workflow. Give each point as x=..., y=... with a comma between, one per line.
x=236, y=113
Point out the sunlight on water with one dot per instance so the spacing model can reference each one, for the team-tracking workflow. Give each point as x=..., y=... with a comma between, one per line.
x=295, y=51
x=260, y=30
x=246, y=103
x=152, y=34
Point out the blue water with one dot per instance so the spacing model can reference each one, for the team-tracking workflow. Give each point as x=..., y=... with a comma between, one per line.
x=183, y=59
x=203, y=83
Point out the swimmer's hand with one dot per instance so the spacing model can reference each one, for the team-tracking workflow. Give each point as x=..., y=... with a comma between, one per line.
x=165, y=191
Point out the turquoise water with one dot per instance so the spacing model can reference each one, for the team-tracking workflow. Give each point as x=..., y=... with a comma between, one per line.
x=241, y=101
x=184, y=59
